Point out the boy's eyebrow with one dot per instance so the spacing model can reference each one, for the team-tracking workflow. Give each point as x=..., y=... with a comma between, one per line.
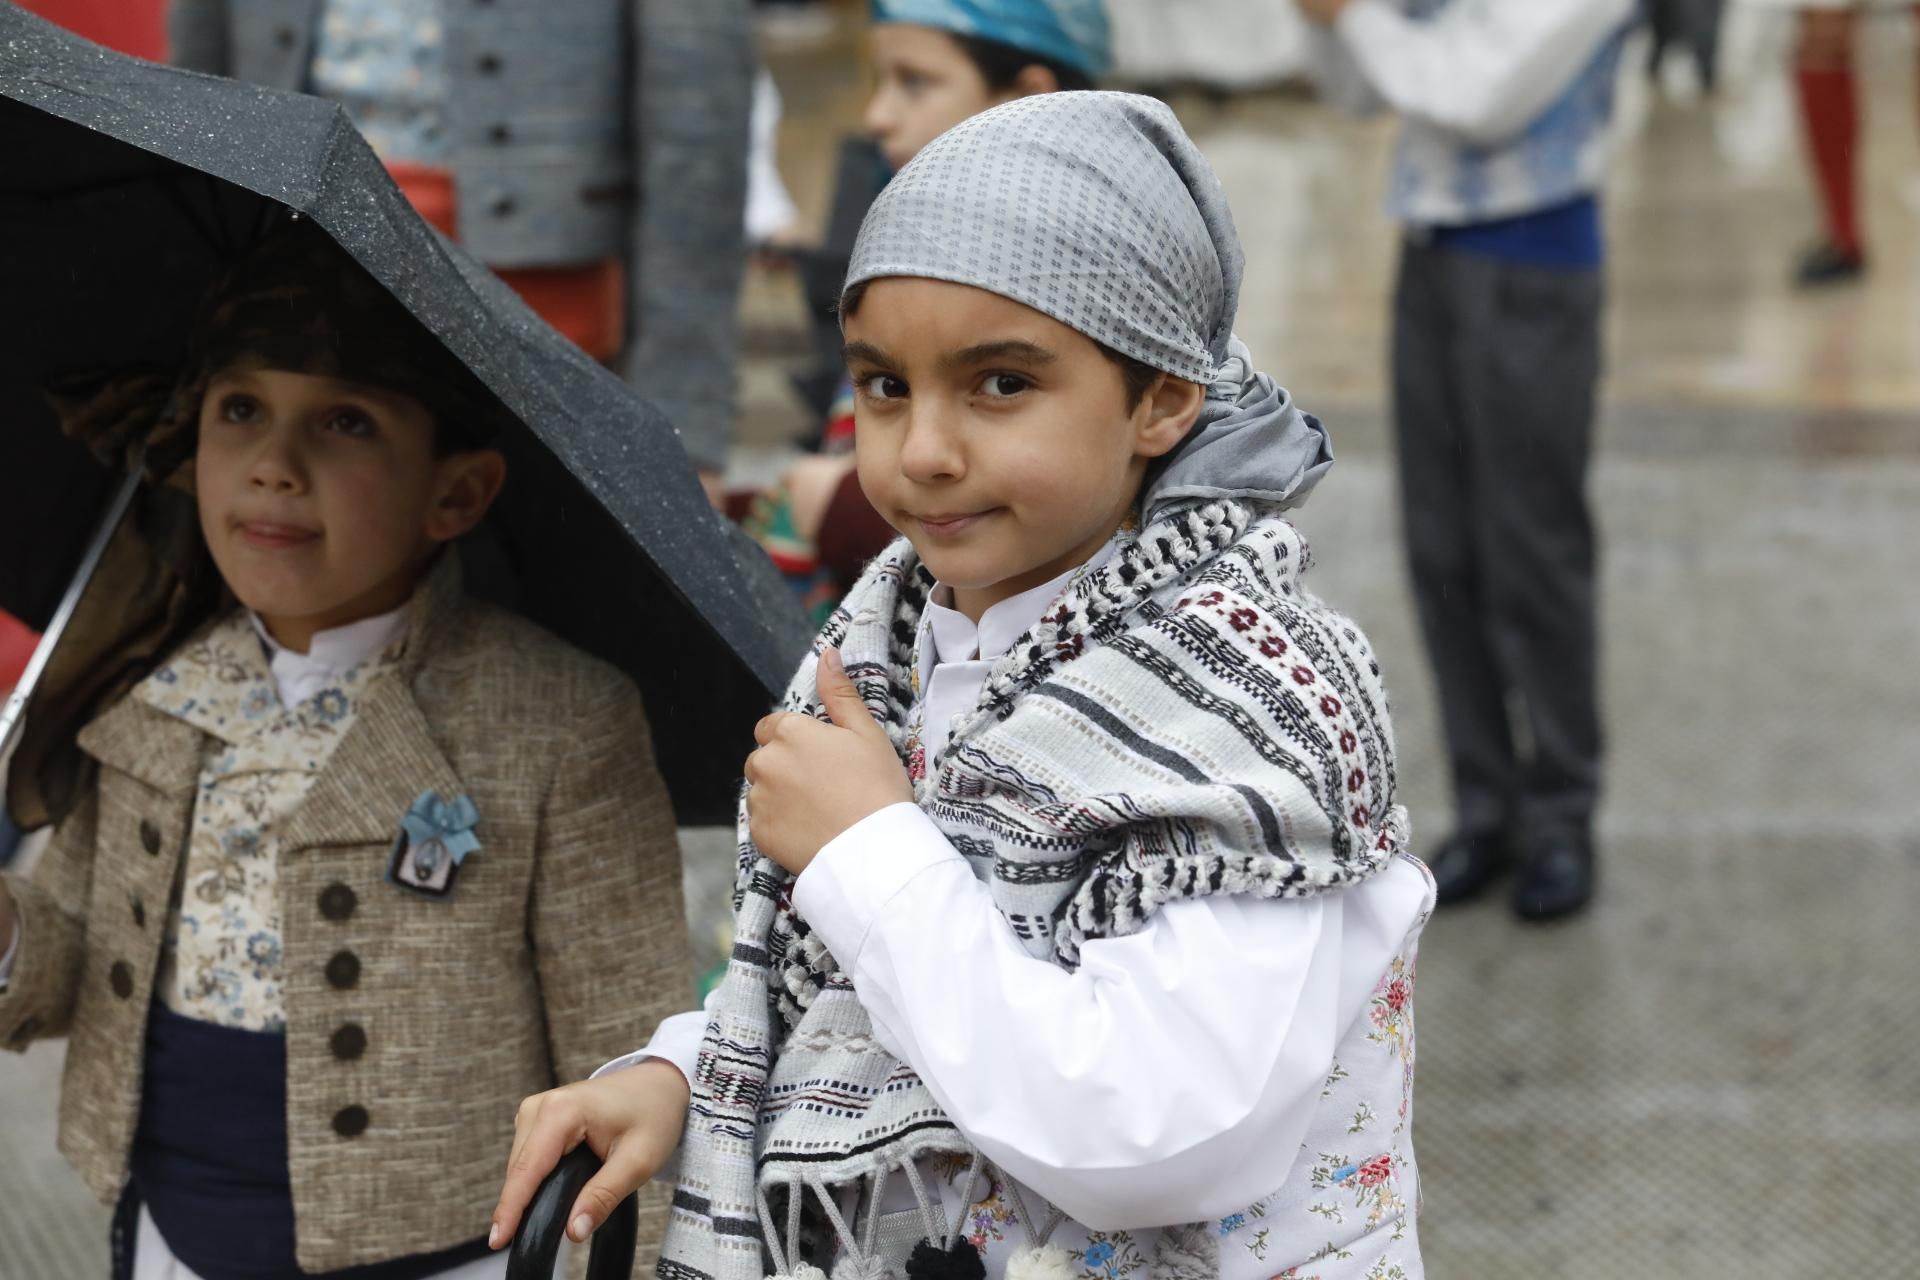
x=867, y=353
x=1018, y=350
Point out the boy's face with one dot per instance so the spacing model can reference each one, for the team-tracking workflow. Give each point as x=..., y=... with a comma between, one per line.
x=322, y=500
x=998, y=440
x=924, y=84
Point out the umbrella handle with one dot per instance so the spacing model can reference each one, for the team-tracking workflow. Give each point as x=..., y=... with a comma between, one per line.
x=12, y=715
x=537, y=1244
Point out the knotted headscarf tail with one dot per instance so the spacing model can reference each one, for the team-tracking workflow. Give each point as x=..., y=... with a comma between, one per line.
x=1098, y=210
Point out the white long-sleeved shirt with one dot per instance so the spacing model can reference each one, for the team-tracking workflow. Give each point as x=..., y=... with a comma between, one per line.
x=1506, y=103
x=297, y=677
x=1047, y=1072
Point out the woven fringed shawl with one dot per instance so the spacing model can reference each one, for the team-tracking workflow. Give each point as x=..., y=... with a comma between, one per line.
x=1193, y=642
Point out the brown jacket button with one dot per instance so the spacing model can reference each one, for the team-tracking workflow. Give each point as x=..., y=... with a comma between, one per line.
x=139, y=910
x=337, y=901
x=343, y=971
x=349, y=1042
x=120, y=978
x=149, y=837
x=350, y=1122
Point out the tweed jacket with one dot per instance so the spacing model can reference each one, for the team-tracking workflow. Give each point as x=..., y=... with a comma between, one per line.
x=580, y=131
x=563, y=940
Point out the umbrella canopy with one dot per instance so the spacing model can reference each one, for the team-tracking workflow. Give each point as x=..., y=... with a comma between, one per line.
x=127, y=190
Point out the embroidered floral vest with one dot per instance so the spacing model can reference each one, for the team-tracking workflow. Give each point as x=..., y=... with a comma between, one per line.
x=221, y=954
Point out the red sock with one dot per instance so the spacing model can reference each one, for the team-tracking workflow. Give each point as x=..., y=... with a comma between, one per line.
x=1830, y=105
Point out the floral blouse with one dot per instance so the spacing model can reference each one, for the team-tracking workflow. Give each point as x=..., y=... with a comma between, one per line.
x=1349, y=1210
x=220, y=958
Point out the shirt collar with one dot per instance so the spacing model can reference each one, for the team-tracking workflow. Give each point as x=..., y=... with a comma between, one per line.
x=957, y=638
x=334, y=651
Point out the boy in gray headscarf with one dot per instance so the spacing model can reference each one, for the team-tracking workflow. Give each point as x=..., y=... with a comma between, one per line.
x=1076, y=933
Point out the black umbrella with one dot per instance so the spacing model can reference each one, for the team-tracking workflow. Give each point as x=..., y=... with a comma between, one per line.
x=125, y=190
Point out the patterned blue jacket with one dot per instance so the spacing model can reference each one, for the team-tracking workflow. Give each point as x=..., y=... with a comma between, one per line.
x=1506, y=105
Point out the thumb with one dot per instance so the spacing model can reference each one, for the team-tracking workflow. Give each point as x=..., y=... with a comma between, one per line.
x=619, y=1178
x=837, y=694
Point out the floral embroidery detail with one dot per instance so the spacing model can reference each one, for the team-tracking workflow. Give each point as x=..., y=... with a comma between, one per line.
x=264, y=950
x=223, y=951
x=1334, y=1077
x=991, y=1214
x=1368, y=1187
x=1109, y=1255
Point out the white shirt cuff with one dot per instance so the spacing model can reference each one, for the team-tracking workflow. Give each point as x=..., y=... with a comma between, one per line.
x=850, y=881
x=675, y=1040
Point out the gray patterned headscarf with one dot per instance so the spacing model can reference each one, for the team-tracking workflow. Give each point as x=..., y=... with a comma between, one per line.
x=1097, y=209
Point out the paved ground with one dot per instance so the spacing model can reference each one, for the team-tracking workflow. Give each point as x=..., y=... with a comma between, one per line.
x=1715, y=1074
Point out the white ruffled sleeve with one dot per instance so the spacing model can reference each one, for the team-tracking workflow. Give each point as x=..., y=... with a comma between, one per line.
x=1170, y=1078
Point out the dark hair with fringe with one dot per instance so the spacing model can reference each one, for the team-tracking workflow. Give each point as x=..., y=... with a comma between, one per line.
x=1000, y=64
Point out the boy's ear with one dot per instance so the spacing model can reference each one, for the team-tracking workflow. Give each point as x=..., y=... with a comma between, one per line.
x=1165, y=414
x=469, y=482
x=1035, y=79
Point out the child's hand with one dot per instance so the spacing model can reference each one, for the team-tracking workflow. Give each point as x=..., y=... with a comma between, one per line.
x=632, y=1120
x=810, y=781
x=1324, y=11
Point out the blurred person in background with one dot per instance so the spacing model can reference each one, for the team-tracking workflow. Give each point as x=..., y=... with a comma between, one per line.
x=594, y=154
x=1693, y=23
x=1506, y=109
x=935, y=63
x=1828, y=85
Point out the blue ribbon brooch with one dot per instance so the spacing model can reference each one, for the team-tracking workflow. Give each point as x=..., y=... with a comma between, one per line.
x=435, y=834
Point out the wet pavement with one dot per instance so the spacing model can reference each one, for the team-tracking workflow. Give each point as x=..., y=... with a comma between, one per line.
x=1717, y=1071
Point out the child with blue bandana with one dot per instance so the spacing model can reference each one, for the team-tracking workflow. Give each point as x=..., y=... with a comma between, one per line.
x=935, y=63
x=348, y=861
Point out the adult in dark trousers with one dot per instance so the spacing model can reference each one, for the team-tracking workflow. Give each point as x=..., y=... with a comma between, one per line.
x=1693, y=23
x=1506, y=107
x=593, y=153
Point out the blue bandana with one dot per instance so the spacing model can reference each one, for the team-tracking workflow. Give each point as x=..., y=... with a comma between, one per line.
x=1073, y=33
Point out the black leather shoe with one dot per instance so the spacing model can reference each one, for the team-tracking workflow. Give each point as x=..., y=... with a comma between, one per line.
x=1465, y=863
x=1555, y=880
x=1826, y=264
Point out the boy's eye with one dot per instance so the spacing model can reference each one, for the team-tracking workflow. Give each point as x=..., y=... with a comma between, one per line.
x=914, y=83
x=239, y=408
x=1000, y=386
x=351, y=422
x=882, y=386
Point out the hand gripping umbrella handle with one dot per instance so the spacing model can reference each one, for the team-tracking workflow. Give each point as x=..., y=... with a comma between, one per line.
x=537, y=1244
